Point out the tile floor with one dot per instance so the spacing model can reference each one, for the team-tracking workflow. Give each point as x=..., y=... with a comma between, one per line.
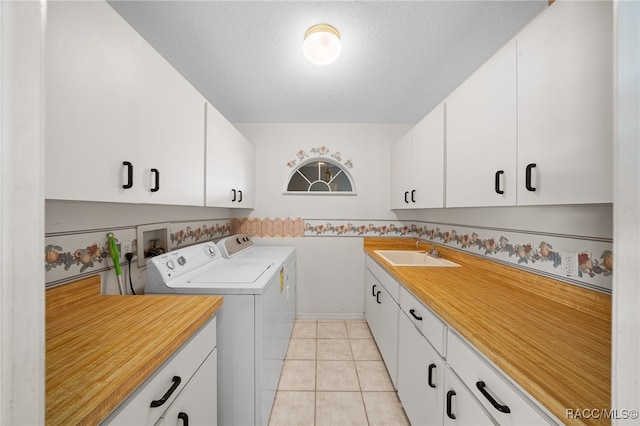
x=333, y=375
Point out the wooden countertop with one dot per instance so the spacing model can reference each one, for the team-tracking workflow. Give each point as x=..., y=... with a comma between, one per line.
x=99, y=348
x=552, y=338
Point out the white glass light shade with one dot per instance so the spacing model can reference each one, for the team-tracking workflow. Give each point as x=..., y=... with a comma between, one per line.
x=322, y=44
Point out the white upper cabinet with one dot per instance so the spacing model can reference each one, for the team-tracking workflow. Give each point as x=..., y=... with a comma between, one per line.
x=417, y=164
x=565, y=105
x=114, y=106
x=230, y=163
x=482, y=135
x=533, y=125
x=401, y=173
x=173, y=138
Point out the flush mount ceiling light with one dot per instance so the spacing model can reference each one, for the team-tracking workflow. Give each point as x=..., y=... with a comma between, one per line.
x=322, y=44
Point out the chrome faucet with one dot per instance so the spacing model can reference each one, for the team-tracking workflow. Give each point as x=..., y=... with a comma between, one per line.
x=433, y=252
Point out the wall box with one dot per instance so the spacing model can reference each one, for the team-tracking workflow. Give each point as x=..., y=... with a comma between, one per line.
x=152, y=241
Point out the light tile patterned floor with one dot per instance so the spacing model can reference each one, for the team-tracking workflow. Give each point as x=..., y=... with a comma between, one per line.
x=334, y=375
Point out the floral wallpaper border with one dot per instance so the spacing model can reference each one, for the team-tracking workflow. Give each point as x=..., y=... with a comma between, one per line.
x=538, y=252
x=70, y=256
x=67, y=256
x=188, y=233
x=321, y=151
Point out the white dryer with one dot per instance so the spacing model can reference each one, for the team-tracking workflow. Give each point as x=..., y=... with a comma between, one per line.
x=248, y=323
x=241, y=247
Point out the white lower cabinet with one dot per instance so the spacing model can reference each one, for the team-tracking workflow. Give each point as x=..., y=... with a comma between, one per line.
x=497, y=395
x=420, y=376
x=460, y=406
x=381, y=313
x=441, y=379
x=186, y=383
x=193, y=405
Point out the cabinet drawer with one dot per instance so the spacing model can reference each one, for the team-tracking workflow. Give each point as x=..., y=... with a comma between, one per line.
x=392, y=286
x=197, y=404
x=430, y=325
x=136, y=409
x=460, y=407
x=476, y=373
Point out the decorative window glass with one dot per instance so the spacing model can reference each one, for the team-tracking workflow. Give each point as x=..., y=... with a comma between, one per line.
x=320, y=176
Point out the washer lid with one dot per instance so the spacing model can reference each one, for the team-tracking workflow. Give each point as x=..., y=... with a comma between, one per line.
x=232, y=272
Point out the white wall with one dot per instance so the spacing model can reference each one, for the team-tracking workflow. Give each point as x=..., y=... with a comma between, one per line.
x=330, y=269
x=595, y=221
x=65, y=216
x=367, y=145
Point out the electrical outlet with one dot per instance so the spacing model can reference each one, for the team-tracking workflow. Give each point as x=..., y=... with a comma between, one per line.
x=126, y=247
x=569, y=263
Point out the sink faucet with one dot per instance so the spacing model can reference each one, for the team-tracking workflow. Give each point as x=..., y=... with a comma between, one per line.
x=433, y=252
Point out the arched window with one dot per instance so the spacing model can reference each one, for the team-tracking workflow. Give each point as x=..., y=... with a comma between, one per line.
x=320, y=175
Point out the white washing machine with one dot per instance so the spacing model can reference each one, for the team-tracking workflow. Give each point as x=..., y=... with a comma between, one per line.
x=248, y=323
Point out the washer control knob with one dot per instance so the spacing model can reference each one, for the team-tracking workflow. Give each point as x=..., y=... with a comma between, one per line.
x=182, y=260
x=245, y=239
x=238, y=241
x=170, y=264
x=212, y=250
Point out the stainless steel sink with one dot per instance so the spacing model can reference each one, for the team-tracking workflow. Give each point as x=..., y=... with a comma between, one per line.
x=413, y=258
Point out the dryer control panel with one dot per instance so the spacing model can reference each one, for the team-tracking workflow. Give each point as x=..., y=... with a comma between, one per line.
x=234, y=244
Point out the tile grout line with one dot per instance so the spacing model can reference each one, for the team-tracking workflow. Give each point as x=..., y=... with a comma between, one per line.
x=356, y=335
x=364, y=406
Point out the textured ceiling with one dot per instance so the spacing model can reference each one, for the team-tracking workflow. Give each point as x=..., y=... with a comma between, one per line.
x=399, y=59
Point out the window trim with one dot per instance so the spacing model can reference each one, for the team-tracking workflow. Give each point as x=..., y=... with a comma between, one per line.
x=310, y=160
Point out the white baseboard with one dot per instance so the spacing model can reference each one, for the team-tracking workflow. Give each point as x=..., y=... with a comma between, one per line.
x=327, y=316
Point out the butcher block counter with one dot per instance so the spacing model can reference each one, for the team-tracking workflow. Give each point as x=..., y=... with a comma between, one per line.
x=552, y=338
x=100, y=348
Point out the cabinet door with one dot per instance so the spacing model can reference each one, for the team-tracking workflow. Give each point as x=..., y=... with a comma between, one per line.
x=93, y=74
x=482, y=135
x=371, y=287
x=427, y=167
x=387, y=324
x=417, y=164
x=220, y=158
x=420, y=376
x=565, y=95
x=230, y=164
x=171, y=137
x=111, y=98
x=460, y=406
x=197, y=403
x=246, y=172
x=493, y=391
x=400, y=173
